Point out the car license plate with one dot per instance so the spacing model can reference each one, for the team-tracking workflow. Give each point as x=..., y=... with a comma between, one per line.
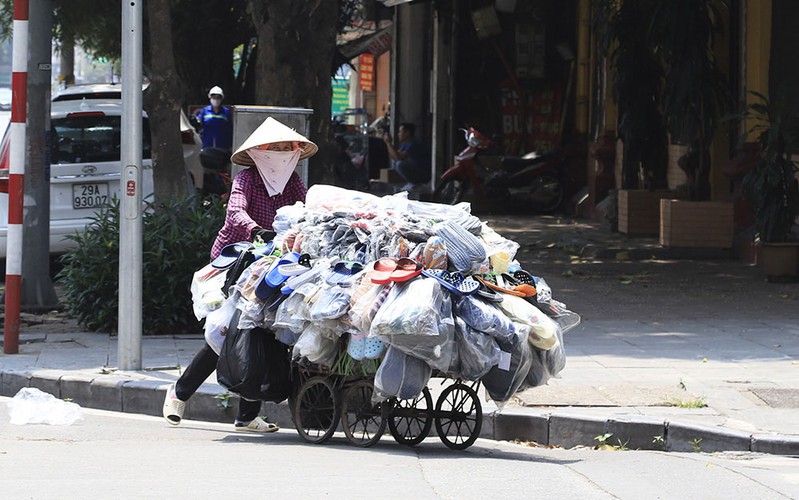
x=89, y=195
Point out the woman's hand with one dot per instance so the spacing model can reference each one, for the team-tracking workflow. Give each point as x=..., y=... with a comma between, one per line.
x=265, y=234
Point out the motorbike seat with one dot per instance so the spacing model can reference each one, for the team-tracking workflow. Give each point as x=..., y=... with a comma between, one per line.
x=516, y=163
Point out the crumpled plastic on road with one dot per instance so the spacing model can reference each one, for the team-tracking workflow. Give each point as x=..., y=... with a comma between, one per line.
x=33, y=406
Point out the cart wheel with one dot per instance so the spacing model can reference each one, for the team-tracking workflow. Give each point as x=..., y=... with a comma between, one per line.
x=363, y=422
x=459, y=416
x=412, y=419
x=316, y=410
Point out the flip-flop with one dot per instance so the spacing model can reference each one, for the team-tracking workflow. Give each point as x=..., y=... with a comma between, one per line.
x=382, y=271
x=406, y=269
x=343, y=271
x=453, y=282
x=227, y=257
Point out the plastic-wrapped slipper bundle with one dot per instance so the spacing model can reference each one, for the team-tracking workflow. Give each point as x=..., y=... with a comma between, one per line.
x=463, y=248
x=401, y=376
x=477, y=352
x=504, y=379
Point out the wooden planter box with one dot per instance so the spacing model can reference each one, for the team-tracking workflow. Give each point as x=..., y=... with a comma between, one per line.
x=780, y=261
x=639, y=211
x=696, y=224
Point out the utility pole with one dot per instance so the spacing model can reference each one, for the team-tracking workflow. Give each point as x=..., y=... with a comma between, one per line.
x=130, y=219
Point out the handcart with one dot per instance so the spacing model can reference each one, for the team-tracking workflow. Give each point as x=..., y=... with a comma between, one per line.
x=323, y=399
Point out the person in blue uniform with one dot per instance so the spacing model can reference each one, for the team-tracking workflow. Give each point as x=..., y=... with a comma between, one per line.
x=216, y=122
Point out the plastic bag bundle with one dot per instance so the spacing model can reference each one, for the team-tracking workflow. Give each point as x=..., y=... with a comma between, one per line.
x=331, y=302
x=317, y=345
x=286, y=336
x=543, y=334
x=218, y=322
x=418, y=307
x=503, y=380
x=538, y=374
x=206, y=290
x=33, y=406
x=477, y=352
x=400, y=376
x=293, y=312
x=417, y=319
x=565, y=318
x=485, y=317
x=254, y=314
x=555, y=358
x=463, y=248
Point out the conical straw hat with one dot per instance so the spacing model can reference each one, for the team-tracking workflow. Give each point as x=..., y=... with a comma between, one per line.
x=269, y=132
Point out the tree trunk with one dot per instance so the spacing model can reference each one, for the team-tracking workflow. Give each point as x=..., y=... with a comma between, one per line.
x=296, y=45
x=37, y=288
x=162, y=101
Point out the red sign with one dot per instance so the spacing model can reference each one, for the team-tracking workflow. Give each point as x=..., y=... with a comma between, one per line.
x=131, y=188
x=541, y=117
x=366, y=71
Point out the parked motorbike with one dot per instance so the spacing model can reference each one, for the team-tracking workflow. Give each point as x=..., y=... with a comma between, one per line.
x=538, y=181
x=216, y=171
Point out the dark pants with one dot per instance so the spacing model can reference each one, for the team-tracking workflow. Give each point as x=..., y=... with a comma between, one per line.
x=200, y=368
x=411, y=172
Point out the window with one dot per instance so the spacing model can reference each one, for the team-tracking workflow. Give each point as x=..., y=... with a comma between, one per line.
x=91, y=137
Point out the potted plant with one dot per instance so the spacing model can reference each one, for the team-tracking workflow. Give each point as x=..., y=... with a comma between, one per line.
x=695, y=92
x=695, y=96
x=637, y=77
x=771, y=186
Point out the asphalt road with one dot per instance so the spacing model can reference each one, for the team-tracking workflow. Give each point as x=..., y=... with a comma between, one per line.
x=112, y=455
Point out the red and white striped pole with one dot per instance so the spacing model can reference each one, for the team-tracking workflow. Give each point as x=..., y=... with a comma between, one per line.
x=16, y=177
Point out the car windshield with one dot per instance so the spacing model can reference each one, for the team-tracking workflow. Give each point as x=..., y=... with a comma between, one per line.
x=86, y=138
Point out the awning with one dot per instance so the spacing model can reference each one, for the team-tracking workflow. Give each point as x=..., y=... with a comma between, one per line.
x=375, y=43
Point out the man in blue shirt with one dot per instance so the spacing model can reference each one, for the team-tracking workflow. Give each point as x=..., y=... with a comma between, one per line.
x=216, y=121
x=411, y=160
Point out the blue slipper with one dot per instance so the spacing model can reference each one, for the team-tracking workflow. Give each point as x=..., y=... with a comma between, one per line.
x=453, y=282
x=272, y=278
x=227, y=257
x=343, y=271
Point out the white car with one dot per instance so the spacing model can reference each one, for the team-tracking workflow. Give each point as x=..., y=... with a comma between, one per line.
x=85, y=160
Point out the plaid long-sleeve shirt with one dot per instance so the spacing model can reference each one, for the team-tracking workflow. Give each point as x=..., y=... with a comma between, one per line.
x=250, y=206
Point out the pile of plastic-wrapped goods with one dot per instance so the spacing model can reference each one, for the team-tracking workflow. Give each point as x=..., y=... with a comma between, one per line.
x=419, y=287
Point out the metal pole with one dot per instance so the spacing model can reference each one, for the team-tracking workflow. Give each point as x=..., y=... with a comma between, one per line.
x=16, y=176
x=130, y=221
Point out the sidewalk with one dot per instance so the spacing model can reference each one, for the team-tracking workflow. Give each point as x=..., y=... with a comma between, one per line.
x=671, y=372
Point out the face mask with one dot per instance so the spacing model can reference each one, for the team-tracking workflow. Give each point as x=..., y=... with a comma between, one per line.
x=216, y=102
x=274, y=167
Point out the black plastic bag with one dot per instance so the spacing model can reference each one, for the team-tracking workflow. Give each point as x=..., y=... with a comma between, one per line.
x=253, y=364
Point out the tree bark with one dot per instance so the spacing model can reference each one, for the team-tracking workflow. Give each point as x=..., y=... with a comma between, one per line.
x=162, y=101
x=296, y=45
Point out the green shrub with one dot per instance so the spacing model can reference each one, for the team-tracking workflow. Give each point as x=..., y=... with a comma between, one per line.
x=177, y=239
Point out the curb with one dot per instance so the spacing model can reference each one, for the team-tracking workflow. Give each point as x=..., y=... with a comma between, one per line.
x=142, y=396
